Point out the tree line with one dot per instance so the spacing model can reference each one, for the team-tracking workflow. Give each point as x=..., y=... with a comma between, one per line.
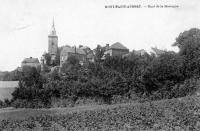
x=149, y=76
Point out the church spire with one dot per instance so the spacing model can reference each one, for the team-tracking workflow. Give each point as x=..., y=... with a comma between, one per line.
x=53, y=23
x=53, y=30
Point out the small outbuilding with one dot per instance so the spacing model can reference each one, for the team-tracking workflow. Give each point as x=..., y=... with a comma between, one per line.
x=31, y=62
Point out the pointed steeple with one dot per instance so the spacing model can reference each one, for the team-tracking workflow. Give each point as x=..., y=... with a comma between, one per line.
x=53, y=26
x=53, y=30
x=53, y=21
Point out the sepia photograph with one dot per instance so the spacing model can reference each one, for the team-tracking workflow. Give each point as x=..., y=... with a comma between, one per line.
x=99, y=65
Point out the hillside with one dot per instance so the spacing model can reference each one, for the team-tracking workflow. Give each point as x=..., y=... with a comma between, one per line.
x=174, y=114
x=9, y=76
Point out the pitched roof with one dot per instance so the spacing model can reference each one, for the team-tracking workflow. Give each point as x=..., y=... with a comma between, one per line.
x=30, y=60
x=67, y=49
x=118, y=45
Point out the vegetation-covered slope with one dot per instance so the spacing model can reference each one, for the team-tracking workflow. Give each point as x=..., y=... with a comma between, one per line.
x=174, y=114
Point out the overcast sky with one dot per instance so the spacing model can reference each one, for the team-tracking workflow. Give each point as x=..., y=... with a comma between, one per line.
x=25, y=25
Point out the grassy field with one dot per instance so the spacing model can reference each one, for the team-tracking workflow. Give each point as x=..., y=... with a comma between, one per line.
x=175, y=114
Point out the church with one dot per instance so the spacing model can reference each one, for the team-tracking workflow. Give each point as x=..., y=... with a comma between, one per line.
x=52, y=43
x=63, y=52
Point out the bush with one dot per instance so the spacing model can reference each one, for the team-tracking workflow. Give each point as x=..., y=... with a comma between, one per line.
x=164, y=72
x=187, y=88
x=2, y=104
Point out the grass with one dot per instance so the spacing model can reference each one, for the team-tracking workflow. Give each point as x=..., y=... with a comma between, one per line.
x=174, y=114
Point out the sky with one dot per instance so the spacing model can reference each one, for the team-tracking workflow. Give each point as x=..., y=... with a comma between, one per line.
x=25, y=25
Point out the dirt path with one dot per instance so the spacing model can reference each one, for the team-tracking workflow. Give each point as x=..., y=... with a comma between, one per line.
x=18, y=114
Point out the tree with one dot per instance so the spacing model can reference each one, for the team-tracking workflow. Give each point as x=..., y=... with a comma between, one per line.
x=132, y=68
x=164, y=72
x=29, y=84
x=71, y=65
x=47, y=57
x=188, y=43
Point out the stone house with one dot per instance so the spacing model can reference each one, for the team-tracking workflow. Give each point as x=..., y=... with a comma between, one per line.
x=116, y=49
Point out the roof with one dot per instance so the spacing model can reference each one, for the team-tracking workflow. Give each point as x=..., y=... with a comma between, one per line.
x=72, y=50
x=118, y=45
x=30, y=60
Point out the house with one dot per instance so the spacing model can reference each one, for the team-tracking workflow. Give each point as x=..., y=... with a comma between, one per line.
x=68, y=51
x=31, y=62
x=116, y=49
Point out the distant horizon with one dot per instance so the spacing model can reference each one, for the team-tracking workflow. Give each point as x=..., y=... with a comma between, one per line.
x=25, y=25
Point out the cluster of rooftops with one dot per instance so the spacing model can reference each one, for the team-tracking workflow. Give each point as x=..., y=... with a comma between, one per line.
x=83, y=50
x=83, y=53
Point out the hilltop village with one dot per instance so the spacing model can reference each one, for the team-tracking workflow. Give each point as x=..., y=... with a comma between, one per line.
x=78, y=78
x=56, y=56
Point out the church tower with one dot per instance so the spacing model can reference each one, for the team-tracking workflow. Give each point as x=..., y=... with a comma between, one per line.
x=52, y=43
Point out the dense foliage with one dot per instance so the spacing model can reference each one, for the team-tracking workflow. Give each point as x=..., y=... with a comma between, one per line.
x=148, y=76
x=189, y=44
